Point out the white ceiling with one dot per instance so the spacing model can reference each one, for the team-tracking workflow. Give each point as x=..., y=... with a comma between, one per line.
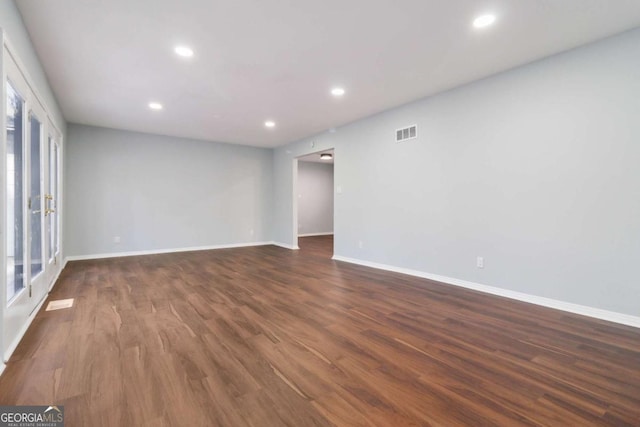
x=257, y=60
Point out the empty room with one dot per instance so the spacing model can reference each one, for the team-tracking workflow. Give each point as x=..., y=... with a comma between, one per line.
x=337, y=213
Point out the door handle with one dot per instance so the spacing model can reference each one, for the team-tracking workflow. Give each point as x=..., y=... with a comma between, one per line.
x=49, y=211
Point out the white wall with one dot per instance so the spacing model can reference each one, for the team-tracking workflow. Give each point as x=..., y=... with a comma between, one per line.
x=535, y=169
x=158, y=192
x=315, y=198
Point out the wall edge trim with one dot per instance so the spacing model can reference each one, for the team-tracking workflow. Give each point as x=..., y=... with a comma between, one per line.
x=12, y=347
x=597, y=313
x=162, y=251
x=285, y=245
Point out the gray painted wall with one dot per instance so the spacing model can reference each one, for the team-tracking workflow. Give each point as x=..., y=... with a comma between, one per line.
x=11, y=23
x=315, y=198
x=160, y=192
x=282, y=219
x=535, y=169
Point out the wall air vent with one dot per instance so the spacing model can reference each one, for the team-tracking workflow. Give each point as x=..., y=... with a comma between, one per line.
x=409, y=132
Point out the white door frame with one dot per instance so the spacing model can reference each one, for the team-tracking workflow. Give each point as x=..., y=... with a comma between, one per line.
x=52, y=202
x=37, y=284
x=294, y=195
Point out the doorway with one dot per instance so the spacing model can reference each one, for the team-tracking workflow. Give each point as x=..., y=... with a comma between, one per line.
x=314, y=195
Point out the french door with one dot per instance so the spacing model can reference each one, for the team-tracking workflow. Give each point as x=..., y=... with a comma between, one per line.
x=51, y=211
x=31, y=188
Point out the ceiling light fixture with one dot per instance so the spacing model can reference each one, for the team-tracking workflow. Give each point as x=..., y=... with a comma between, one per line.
x=326, y=156
x=184, y=51
x=270, y=124
x=337, y=91
x=155, y=106
x=484, y=21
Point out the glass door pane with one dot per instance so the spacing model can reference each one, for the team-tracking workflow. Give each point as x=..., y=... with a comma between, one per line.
x=55, y=218
x=35, y=197
x=50, y=201
x=14, y=226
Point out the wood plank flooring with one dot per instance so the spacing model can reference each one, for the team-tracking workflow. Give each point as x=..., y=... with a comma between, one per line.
x=265, y=336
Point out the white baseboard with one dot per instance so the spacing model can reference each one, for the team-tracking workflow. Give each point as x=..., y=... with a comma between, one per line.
x=55, y=279
x=597, y=313
x=12, y=347
x=285, y=245
x=163, y=251
x=329, y=233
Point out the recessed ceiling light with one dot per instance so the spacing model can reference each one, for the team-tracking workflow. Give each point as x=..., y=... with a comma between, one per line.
x=326, y=156
x=484, y=21
x=270, y=124
x=184, y=51
x=155, y=106
x=337, y=91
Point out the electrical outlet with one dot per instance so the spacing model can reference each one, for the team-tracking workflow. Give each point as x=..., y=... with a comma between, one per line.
x=251, y=232
x=116, y=239
x=480, y=262
x=360, y=244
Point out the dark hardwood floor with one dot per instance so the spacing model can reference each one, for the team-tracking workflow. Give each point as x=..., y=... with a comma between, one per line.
x=265, y=336
x=320, y=246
